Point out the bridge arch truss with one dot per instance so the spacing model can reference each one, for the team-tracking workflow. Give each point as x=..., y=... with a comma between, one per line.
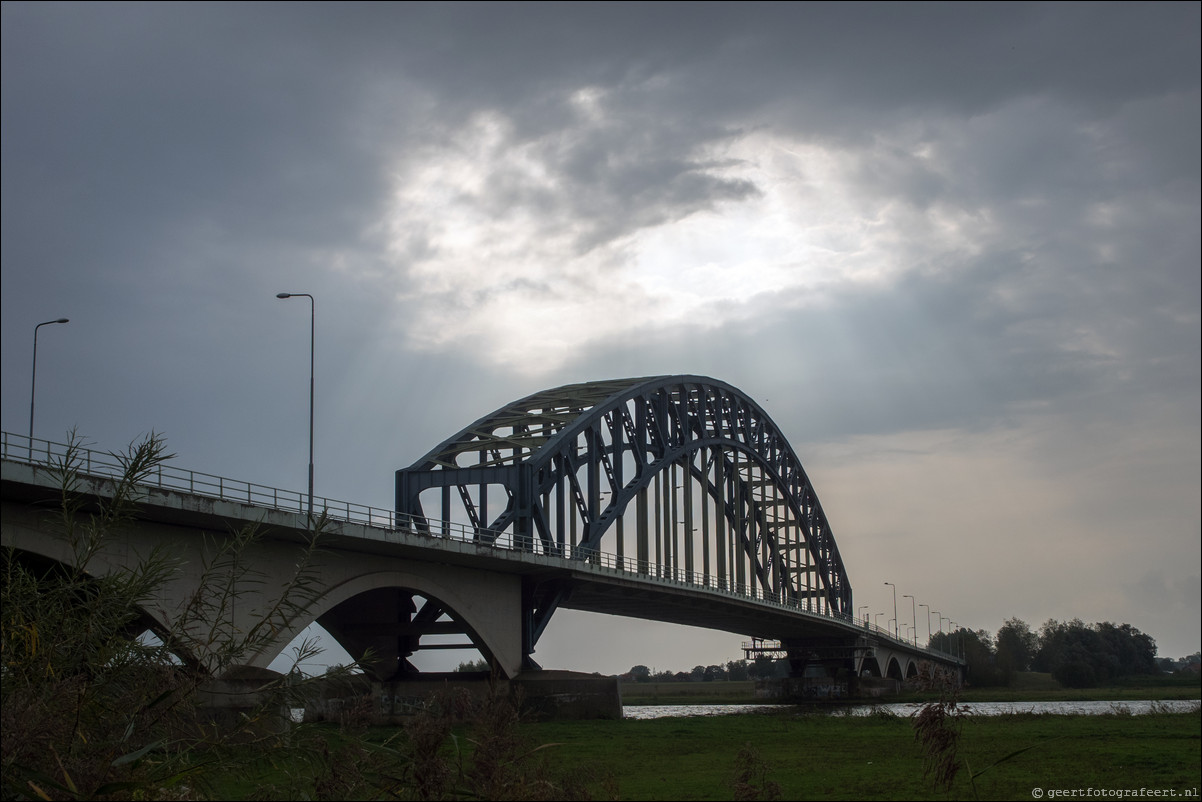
x=679, y=477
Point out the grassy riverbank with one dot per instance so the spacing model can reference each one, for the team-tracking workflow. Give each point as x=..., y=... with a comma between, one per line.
x=783, y=755
x=1027, y=687
x=877, y=757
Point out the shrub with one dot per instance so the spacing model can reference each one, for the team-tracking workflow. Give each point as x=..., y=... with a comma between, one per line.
x=91, y=709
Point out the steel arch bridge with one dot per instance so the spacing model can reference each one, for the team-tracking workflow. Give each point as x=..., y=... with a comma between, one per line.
x=678, y=476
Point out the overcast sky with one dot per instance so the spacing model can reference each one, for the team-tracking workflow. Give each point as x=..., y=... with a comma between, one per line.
x=952, y=250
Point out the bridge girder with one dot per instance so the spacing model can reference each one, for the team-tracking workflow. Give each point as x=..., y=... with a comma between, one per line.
x=704, y=477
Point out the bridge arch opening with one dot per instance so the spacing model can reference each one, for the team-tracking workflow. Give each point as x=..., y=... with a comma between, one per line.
x=894, y=670
x=384, y=628
x=143, y=626
x=572, y=639
x=870, y=667
x=386, y=619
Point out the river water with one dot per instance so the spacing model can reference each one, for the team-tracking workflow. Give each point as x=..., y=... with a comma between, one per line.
x=904, y=710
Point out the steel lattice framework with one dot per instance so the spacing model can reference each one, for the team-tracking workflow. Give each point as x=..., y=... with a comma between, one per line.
x=689, y=468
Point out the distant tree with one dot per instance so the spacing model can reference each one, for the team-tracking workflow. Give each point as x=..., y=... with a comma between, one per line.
x=1015, y=647
x=473, y=666
x=697, y=674
x=1082, y=656
x=1126, y=650
x=761, y=667
x=945, y=642
x=977, y=650
x=640, y=673
x=736, y=670
x=714, y=674
x=1189, y=666
x=1053, y=640
x=1075, y=667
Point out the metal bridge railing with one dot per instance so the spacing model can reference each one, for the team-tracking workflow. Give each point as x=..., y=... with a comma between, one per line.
x=90, y=462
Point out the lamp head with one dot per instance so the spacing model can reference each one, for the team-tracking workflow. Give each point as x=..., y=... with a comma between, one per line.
x=283, y=295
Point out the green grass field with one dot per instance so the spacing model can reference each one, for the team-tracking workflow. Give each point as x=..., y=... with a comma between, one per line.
x=877, y=757
x=793, y=753
x=802, y=756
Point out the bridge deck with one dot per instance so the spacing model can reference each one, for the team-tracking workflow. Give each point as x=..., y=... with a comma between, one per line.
x=599, y=581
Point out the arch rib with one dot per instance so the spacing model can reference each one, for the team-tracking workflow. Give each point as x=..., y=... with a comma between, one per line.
x=576, y=466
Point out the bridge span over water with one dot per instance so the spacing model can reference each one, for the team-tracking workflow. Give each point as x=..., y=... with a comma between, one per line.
x=672, y=499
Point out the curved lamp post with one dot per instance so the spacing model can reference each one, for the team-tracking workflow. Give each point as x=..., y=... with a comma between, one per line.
x=312, y=342
x=914, y=616
x=34, y=380
x=928, y=622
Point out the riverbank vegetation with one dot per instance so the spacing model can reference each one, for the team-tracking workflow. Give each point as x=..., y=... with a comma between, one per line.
x=101, y=699
x=787, y=755
x=1031, y=687
x=878, y=757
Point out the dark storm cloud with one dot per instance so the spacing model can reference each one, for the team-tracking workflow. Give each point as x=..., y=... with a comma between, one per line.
x=160, y=148
x=141, y=111
x=219, y=114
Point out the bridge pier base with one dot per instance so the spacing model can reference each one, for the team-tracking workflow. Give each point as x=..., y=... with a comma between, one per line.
x=819, y=682
x=541, y=695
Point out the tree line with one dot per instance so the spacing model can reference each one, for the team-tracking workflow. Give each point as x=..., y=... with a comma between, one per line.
x=762, y=667
x=1076, y=654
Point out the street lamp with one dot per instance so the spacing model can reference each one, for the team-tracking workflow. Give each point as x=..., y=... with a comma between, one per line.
x=928, y=622
x=312, y=343
x=877, y=620
x=914, y=616
x=858, y=609
x=890, y=584
x=34, y=380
